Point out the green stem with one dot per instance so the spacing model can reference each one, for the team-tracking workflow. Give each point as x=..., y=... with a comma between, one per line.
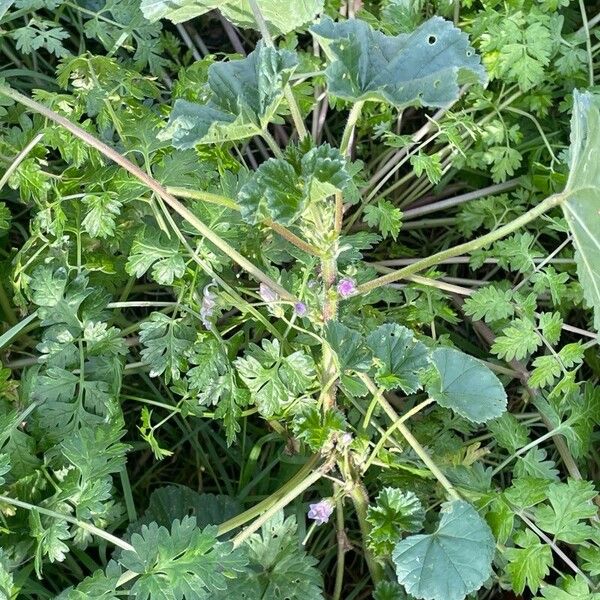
x=395, y=425
x=408, y=436
x=265, y=504
x=154, y=185
x=275, y=149
x=229, y=203
x=342, y=544
x=330, y=306
x=129, y=503
x=346, y=149
x=350, y=127
x=281, y=503
x=287, y=90
x=361, y=504
x=552, y=543
x=204, y=197
x=20, y=158
x=526, y=448
x=588, y=41
x=467, y=247
x=86, y=526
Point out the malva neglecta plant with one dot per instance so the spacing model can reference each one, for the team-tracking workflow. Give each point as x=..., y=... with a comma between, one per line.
x=237, y=360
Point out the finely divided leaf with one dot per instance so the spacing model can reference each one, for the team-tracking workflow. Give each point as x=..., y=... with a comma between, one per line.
x=450, y=563
x=528, y=564
x=467, y=386
x=245, y=95
x=280, y=569
x=422, y=68
x=583, y=196
x=166, y=343
x=185, y=562
x=570, y=504
x=282, y=16
x=151, y=249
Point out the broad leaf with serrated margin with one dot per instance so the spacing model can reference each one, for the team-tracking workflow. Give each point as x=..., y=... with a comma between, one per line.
x=450, y=563
x=399, y=357
x=245, y=95
x=273, y=379
x=282, y=16
x=349, y=346
x=422, y=68
x=581, y=207
x=283, y=188
x=467, y=386
x=393, y=513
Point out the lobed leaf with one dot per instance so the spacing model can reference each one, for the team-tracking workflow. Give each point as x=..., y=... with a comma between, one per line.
x=185, y=562
x=450, y=563
x=399, y=357
x=421, y=68
x=244, y=97
x=282, y=16
x=279, y=566
x=284, y=188
x=583, y=196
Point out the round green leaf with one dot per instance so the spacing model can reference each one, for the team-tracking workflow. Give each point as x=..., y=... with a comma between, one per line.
x=450, y=563
x=466, y=386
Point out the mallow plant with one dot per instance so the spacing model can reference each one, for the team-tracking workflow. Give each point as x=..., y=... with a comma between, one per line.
x=215, y=211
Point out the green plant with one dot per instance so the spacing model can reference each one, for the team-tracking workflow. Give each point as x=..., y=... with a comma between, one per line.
x=205, y=286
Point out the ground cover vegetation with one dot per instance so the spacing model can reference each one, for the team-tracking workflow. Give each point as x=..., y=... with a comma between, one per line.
x=299, y=300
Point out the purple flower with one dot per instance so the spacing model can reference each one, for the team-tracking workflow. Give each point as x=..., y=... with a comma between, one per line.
x=209, y=301
x=346, y=287
x=267, y=294
x=346, y=439
x=300, y=309
x=320, y=511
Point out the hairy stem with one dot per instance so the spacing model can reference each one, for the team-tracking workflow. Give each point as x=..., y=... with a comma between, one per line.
x=86, y=526
x=408, y=436
x=361, y=504
x=465, y=248
x=154, y=185
x=355, y=111
x=259, y=508
x=342, y=545
x=229, y=203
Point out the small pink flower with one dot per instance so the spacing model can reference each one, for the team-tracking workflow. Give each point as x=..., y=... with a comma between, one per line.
x=320, y=511
x=346, y=439
x=346, y=287
x=209, y=301
x=267, y=294
x=300, y=309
